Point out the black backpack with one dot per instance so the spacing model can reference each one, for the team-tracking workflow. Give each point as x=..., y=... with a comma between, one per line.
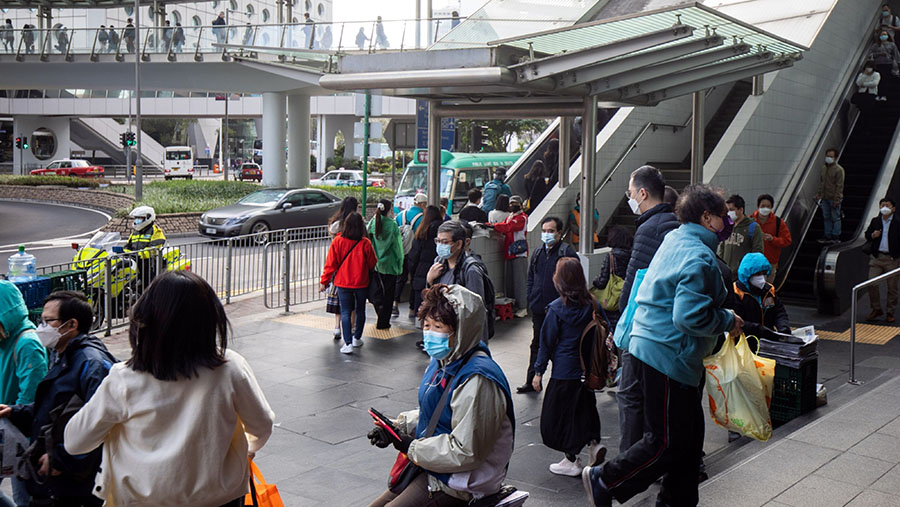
x=472, y=261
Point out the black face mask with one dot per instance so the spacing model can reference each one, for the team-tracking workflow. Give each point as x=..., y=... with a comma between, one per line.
x=515, y=208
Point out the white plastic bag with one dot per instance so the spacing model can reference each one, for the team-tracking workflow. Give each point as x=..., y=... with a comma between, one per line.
x=739, y=384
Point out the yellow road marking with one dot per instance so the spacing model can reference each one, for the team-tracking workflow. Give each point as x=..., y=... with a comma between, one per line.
x=865, y=333
x=327, y=323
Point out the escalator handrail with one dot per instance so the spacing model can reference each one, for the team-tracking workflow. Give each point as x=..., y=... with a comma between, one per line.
x=813, y=161
x=631, y=146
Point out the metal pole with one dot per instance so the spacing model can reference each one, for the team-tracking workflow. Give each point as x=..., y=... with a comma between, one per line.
x=221, y=144
x=365, y=147
x=588, y=163
x=434, y=154
x=697, y=136
x=758, y=84
x=139, y=166
x=228, y=271
x=286, y=273
x=107, y=296
x=128, y=149
x=418, y=24
x=565, y=130
x=852, y=379
x=227, y=157
x=429, y=15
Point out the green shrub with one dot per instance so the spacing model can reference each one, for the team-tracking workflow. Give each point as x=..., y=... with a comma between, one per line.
x=191, y=196
x=42, y=180
x=372, y=194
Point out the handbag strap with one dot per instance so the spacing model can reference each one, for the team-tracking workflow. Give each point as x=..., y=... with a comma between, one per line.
x=436, y=415
x=338, y=268
x=612, y=263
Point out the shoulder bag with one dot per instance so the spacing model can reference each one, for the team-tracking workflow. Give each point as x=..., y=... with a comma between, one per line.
x=332, y=304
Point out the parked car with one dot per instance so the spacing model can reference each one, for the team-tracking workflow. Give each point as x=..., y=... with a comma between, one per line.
x=270, y=209
x=71, y=167
x=346, y=178
x=249, y=171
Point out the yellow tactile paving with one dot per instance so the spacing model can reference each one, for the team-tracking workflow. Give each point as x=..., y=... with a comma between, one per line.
x=327, y=323
x=865, y=333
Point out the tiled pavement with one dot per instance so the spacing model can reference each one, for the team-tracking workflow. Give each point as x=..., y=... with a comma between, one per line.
x=844, y=453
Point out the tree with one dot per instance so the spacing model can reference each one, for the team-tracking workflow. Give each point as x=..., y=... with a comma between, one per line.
x=499, y=132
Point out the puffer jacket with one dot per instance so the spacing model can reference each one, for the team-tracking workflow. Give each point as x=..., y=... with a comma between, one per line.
x=761, y=309
x=23, y=360
x=621, y=257
x=541, y=291
x=513, y=229
x=652, y=227
x=472, y=457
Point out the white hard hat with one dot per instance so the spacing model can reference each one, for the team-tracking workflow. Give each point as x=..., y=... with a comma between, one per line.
x=143, y=216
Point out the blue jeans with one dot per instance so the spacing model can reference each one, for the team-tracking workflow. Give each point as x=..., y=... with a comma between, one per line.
x=21, y=498
x=352, y=300
x=832, y=216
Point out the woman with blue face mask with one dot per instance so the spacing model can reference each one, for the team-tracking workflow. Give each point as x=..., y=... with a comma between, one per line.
x=466, y=394
x=885, y=55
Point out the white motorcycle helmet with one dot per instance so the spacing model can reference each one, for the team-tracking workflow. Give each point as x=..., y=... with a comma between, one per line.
x=143, y=216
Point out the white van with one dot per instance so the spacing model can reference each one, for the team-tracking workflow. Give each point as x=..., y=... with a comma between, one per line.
x=179, y=162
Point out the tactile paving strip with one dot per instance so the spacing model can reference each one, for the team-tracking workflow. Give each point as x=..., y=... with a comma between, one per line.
x=865, y=333
x=327, y=323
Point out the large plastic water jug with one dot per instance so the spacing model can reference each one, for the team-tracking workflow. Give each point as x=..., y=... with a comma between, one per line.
x=22, y=266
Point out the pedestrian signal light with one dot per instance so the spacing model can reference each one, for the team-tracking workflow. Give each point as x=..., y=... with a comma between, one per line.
x=24, y=143
x=131, y=139
x=19, y=143
x=123, y=140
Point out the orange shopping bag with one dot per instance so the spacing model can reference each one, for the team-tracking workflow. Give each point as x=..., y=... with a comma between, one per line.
x=261, y=494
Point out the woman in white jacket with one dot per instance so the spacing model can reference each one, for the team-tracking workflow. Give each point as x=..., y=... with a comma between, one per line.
x=179, y=420
x=867, y=81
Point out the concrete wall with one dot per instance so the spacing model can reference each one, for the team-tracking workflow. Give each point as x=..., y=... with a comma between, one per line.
x=769, y=138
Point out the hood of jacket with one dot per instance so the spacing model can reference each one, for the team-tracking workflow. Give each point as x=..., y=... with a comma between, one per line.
x=470, y=327
x=571, y=313
x=751, y=264
x=659, y=208
x=13, y=312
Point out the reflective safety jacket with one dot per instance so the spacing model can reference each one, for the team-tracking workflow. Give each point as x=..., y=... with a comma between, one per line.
x=149, y=237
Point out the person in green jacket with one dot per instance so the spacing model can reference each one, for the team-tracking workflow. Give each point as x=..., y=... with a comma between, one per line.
x=23, y=361
x=388, y=243
x=746, y=236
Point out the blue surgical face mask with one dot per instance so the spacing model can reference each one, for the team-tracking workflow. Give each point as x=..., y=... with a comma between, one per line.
x=548, y=238
x=883, y=37
x=138, y=221
x=443, y=251
x=437, y=345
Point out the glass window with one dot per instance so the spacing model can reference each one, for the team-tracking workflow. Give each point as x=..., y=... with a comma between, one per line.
x=178, y=154
x=414, y=181
x=295, y=199
x=250, y=9
x=321, y=10
x=265, y=15
x=43, y=144
x=151, y=13
x=233, y=4
x=215, y=4
x=176, y=17
x=196, y=21
x=468, y=179
x=315, y=198
x=294, y=20
x=129, y=10
x=263, y=197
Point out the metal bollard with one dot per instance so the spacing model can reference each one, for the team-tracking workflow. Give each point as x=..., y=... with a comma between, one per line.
x=230, y=244
x=285, y=276
x=107, y=296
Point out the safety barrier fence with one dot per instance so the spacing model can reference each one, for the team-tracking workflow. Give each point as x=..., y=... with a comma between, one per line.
x=853, y=307
x=273, y=262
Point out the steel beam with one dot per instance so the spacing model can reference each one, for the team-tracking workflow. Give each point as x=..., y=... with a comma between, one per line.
x=511, y=111
x=637, y=62
x=418, y=79
x=697, y=135
x=588, y=168
x=434, y=154
x=672, y=80
x=669, y=68
x=568, y=61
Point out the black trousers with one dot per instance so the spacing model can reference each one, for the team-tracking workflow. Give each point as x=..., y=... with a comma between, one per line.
x=401, y=283
x=383, y=309
x=670, y=448
x=537, y=321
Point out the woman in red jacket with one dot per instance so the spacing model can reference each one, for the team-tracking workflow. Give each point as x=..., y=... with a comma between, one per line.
x=349, y=261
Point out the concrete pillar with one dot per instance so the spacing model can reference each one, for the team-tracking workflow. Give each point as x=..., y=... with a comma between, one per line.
x=273, y=139
x=321, y=148
x=330, y=126
x=697, y=133
x=588, y=168
x=434, y=154
x=298, y=141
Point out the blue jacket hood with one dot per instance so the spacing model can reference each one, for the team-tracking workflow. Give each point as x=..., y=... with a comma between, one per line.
x=751, y=264
x=13, y=312
x=571, y=313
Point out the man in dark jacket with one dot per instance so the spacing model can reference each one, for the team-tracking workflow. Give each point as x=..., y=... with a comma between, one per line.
x=472, y=211
x=646, y=191
x=79, y=363
x=884, y=241
x=540, y=288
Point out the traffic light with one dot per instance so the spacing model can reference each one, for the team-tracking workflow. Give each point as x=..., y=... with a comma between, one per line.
x=25, y=143
x=123, y=140
x=131, y=139
x=480, y=138
x=19, y=143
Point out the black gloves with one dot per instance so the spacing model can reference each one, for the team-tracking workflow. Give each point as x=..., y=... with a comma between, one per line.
x=381, y=438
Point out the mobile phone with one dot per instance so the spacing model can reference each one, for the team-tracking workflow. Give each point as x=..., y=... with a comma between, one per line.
x=384, y=422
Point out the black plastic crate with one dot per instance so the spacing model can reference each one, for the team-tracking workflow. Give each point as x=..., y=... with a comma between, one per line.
x=68, y=280
x=34, y=291
x=794, y=391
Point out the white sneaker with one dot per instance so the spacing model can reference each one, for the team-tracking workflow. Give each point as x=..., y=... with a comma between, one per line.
x=597, y=453
x=347, y=349
x=337, y=333
x=357, y=342
x=566, y=467
x=523, y=313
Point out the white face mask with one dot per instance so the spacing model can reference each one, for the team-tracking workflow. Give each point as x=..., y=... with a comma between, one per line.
x=765, y=211
x=732, y=215
x=829, y=160
x=758, y=281
x=885, y=211
x=635, y=205
x=48, y=335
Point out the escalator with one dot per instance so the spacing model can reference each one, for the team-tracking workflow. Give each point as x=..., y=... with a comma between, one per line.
x=862, y=158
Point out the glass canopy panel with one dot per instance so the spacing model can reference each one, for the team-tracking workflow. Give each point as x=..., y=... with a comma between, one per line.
x=797, y=20
x=611, y=30
x=501, y=19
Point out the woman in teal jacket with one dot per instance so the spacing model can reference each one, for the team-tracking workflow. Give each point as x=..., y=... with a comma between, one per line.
x=388, y=243
x=23, y=362
x=678, y=319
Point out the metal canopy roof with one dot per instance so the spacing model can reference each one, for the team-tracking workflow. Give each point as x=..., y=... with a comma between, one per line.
x=85, y=4
x=639, y=59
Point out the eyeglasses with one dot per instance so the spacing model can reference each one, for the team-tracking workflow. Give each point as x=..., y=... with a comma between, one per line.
x=48, y=321
x=628, y=194
x=439, y=242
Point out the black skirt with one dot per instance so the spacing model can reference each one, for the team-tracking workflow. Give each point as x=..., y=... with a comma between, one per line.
x=569, y=417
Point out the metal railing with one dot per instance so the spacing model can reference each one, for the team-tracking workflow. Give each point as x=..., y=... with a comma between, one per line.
x=853, y=304
x=234, y=266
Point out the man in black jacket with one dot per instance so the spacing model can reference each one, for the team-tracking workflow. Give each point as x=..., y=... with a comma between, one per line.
x=884, y=240
x=78, y=364
x=472, y=211
x=540, y=288
x=646, y=191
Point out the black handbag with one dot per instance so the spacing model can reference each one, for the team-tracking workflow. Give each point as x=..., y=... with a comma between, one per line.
x=868, y=247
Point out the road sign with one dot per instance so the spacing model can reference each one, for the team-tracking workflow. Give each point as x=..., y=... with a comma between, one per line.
x=401, y=135
x=376, y=129
x=448, y=128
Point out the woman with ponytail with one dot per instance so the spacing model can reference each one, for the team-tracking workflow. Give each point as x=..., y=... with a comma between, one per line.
x=386, y=239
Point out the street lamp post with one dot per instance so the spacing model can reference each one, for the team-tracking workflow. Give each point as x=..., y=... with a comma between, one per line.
x=139, y=170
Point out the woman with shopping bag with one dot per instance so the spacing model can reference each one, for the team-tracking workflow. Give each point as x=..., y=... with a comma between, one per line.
x=178, y=420
x=677, y=320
